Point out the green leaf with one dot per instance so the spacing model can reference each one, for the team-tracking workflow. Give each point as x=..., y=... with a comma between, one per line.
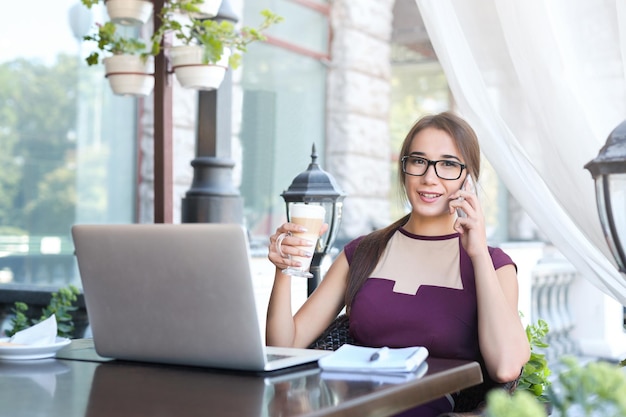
x=108, y=40
x=534, y=378
x=89, y=3
x=214, y=35
x=520, y=404
x=61, y=304
x=596, y=387
x=19, y=321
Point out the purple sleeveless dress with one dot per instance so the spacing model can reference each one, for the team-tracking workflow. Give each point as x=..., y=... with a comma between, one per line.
x=421, y=293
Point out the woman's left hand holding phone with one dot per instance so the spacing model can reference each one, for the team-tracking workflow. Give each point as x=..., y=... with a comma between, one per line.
x=470, y=223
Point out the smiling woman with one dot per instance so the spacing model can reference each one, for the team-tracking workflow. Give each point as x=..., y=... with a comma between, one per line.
x=429, y=279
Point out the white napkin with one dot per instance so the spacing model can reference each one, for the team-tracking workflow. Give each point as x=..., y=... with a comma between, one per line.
x=41, y=334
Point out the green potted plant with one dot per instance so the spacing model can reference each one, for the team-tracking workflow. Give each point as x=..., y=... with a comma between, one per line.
x=593, y=390
x=536, y=372
x=62, y=304
x=520, y=404
x=129, y=66
x=207, y=9
x=125, y=12
x=204, y=49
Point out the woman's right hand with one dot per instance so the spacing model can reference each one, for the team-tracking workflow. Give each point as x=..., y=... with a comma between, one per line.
x=289, y=245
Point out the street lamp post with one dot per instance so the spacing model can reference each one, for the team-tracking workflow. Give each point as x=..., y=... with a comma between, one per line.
x=316, y=186
x=609, y=172
x=213, y=198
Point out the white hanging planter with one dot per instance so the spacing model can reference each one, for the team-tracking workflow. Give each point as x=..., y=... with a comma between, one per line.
x=129, y=75
x=129, y=12
x=208, y=9
x=192, y=73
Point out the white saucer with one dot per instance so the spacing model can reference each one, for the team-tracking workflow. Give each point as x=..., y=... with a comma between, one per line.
x=31, y=368
x=20, y=353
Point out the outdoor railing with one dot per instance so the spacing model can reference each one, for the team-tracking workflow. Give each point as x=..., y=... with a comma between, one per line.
x=42, y=269
x=552, y=280
x=40, y=260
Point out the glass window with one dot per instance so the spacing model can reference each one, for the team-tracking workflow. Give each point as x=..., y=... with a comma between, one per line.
x=69, y=145
x=61, y=132
x=305, y=25
x=283, y=110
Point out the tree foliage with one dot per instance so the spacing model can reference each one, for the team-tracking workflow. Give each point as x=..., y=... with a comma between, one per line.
x=37, y=119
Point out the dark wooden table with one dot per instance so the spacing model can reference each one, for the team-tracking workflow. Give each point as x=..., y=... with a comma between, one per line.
x=79, y=388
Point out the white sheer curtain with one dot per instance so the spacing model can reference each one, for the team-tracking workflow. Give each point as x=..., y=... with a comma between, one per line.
x=543, y=83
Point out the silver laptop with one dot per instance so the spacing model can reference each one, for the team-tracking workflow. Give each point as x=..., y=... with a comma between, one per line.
x=175, y=293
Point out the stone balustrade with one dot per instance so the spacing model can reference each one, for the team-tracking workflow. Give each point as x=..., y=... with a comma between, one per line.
x=550, y=301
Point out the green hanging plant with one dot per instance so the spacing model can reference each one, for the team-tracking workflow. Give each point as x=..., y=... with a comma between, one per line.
x=214, y=35
x=90, y=3
x=108, y=40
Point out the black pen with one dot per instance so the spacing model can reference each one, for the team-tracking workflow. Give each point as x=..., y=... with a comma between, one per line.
x=379, y=354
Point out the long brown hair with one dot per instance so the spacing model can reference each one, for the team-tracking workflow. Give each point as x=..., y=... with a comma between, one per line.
x=372, y=246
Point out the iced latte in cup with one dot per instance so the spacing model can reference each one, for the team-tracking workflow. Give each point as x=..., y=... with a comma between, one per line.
x=312, y=218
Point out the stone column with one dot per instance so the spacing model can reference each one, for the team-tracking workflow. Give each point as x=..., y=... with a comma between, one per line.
x=358, y=104
x=185, y=115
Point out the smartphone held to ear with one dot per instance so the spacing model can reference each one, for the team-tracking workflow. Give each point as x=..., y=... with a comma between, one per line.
x=468, y=185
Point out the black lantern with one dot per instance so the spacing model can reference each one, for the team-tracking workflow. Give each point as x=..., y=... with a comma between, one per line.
x=316, y=186
x=609, y=172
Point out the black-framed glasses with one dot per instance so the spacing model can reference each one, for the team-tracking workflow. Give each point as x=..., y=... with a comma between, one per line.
x=444, y=169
